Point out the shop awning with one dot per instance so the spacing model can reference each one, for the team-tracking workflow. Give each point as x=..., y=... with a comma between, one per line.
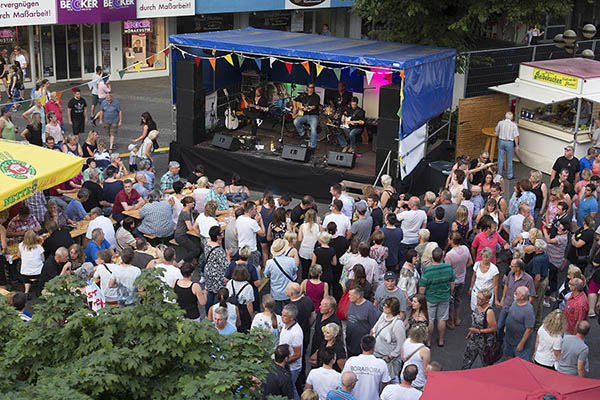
x=26, y=169
x=594, y=98
x=533, y=92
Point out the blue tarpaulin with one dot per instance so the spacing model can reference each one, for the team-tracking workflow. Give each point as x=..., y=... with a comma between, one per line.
x=428, y=71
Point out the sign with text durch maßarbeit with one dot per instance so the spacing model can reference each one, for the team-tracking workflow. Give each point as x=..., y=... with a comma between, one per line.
x=26, y=12
x=94, y=11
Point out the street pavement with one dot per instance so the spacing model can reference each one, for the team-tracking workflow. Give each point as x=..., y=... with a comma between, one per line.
x=153, y=95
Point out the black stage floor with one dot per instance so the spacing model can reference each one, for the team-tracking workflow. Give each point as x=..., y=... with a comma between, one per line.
x=264, y=169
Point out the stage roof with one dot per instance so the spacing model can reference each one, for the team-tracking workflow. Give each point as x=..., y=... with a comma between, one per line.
x=316, y=47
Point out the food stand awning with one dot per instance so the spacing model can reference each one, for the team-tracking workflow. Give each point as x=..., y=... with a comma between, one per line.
x=533, y=92
x=26, y=169
x=594, y=98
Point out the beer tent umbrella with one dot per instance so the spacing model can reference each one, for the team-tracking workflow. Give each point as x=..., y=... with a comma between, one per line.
x=514, y=379
x=26, y=169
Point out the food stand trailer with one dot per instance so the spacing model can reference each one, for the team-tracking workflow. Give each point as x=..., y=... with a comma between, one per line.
x=556, y=101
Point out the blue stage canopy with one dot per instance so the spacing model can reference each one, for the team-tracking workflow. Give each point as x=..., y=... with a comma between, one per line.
x=428, y=71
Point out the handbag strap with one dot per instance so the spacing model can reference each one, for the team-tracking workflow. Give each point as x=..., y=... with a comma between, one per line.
x=241, y=290
x=413, y=353
x=281, y=269
x=209, y=253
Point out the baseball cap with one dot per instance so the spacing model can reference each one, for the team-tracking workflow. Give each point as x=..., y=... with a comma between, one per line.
x=389, y=275
x=361, y=206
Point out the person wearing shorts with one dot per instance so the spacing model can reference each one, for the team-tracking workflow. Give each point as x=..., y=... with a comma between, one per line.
x=437, y=282
x=111, y=117
x=95, y=99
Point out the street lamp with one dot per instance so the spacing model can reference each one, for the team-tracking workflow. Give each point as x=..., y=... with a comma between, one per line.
x=568, y=40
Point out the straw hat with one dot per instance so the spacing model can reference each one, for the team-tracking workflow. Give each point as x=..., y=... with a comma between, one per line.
x=278, y=247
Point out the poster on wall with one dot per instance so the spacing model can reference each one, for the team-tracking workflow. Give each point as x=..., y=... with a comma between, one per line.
x=210, y=110
x=165, y=8
x=297, y=21
x=92, y=12
x=306, y=4
x=39, y=12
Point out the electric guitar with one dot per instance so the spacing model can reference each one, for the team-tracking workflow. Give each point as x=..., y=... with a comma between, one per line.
x=231, y=119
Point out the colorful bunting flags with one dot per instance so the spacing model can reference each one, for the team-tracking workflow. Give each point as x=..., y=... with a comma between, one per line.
x=166, y=52
x=369, y=75
x=90, y=85
x=43, y=100
x=151, y=61
x=351, y=70
x=240, y=60
x=319, y=69
x=59, y=95
x=338, y=73
x=306, y=66
x=288, y=66
x=271, y=61
x=213, y=62
x=258, y=62
x=137, y=66
x=229, y=59
x=121, y=73
x=197, y=59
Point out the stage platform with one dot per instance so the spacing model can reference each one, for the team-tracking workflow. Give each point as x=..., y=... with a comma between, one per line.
x=264, y=169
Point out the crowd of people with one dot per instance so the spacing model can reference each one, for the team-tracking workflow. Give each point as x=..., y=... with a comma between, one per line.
x=354, y=299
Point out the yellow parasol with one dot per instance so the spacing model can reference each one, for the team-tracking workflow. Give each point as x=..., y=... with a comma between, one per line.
x=26, y=169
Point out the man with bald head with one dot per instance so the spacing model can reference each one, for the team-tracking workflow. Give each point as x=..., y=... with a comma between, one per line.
x=574, y=352
x=518, y=341
x=411, y=220
x=140, y=184
x=349, y=380
x=305, y=318
x=57, y=264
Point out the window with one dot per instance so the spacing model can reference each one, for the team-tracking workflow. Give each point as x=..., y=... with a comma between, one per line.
x=18, y=36
x=143, y=39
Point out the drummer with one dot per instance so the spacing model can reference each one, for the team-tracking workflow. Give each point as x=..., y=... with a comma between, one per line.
x=353, y=121
x=341, y=101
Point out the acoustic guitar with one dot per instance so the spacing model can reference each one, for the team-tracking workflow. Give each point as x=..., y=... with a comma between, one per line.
x=299, y=109
x=231, y=119
x=250, y=104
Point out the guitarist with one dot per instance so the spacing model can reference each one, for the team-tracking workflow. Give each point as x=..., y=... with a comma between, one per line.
x=306, y=110
x=257, y=110
x=354, y=122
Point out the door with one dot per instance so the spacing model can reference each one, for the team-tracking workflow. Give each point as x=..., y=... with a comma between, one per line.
x=87, y=34
x=60, y=49
x=74, y=51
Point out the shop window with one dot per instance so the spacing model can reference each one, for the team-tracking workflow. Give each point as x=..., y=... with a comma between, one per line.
x=11, y=37
x=142, y=39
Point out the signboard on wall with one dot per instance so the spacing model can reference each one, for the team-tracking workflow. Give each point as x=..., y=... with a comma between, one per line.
x=233, y=6
x=94, y=11
x=19, y=13
x=306, y=4
x=165, y=8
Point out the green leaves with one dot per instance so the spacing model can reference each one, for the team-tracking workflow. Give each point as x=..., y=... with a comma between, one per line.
x=147, y=351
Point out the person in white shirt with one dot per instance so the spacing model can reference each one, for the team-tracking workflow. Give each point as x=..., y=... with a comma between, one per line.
x=103, y=274
x=411, y=220
x=97, y=77
x=370, y=265
x=248, y=226
x=125, y=273
x=341, y=221
x=403, y=391
x=292, y=336
x=337, y=191
x=169, y=267
x=372, y=372
x=548, y=342
x=98, y=220
x=508, y=143
x=324, y=379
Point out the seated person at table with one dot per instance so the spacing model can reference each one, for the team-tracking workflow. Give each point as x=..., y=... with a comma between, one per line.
x=91, y=166
x=97, y=243
x=170, y=177
x=97, y=220
x=115, y=161
x=51, y=144
x=55, y=264
x=125, y=234
x=56, y=213
x=112, y=186
x=126, y=200
x=145, y=168
x=32, y=258
x=21, y=223
x=309, y=104
x=257, y=111
x=157, y=217
x=102, y=156
x=197, y=174
x=217, y=193
x=140, y=185
x=96, y=198
x=354, y=117
x=57, y=237
x=143, y=253
x=75, y=210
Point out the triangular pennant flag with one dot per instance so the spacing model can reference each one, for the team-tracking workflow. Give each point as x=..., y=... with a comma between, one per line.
x=229, y=59
x=271, y=61
x=90, y=85
x=214, y=51
x=26, y=104
x=399, y=112
x=197, y=59
x=151, y=60
x=43, y=100
x=121, y=73
x=288, y=66
x=213, y=62
x=402, y=73
x=183, y=53
x=306, y=66
x=338, y=73
x=319, y=69
x=59, y=95
x=369, y=75
x=258, y=62
x=166, y=52
x=351, y=70
x=240, y=60
x=137, y=67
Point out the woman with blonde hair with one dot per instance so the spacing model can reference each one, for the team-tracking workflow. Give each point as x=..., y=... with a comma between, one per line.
x=33, y=131
x=32, y=258
x=522, y=239
x=549, y=339
x=491, y=208
x=307, y=236
x=90, y=146
x=564, y=292
x=526, y=240
x=324, y=255
x=427, y=257
x=71, y=146
x=76, y=256
x=556, y=196
x=291, y=239
x=586, y=176
x=332, y=338
x=540, y=190
x=387, y=193
x=485, y=276
x=461, y=223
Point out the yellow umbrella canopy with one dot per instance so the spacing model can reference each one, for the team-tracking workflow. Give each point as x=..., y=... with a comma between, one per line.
x=26, y=169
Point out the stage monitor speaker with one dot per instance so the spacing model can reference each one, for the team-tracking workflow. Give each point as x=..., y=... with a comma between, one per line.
x=387, y=133
x=190, y=131
x=389, y=101
x=295, y=153
x=188, y=75
x=226, y=142
x=190, y=103
x=380, y=156
x=340, y=159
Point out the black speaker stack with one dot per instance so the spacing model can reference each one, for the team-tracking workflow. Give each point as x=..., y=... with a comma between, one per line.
x=190, y=99
x=295, y=153
x=340, y=159
x=226, y=142
x=388, y=128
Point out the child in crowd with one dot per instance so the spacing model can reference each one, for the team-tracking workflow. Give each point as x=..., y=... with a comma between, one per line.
x=379, y=253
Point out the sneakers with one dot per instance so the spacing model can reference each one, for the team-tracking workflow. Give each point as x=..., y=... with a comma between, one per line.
x=259, y=122
x=345, y=149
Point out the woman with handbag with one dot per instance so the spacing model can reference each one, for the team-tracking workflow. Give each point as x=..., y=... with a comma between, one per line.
x=390, y=334
x=482, y=333
x=581, y=243
x=414, y=351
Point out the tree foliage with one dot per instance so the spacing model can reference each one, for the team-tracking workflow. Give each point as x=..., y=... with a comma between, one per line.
x=147, y=351
x=449, y=23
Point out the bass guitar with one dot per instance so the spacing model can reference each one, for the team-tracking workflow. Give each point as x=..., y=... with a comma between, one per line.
x=231, y=119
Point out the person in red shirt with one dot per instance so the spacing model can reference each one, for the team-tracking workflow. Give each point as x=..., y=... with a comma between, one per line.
x=488, y=237
x=127, y=199
x=55, y=104
x=577, y=306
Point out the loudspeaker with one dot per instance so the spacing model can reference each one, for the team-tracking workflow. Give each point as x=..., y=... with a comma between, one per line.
x=340, y=159
x=190, y=131
x=387, y=133
x=188, y=75
x=296, y=153
x=389, y=101
x=226, y=142
x=380, y=156
x=190, y=103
